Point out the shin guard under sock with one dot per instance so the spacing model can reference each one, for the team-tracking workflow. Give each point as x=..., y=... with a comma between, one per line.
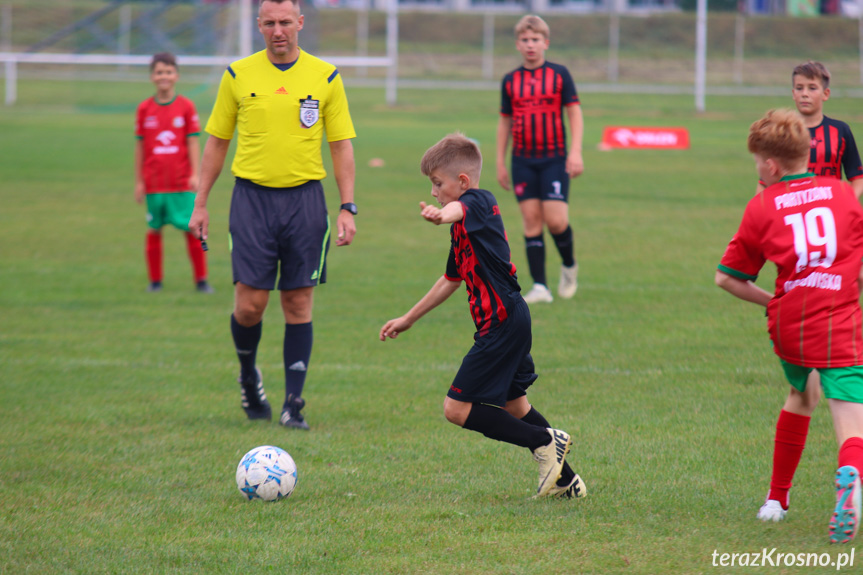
x=154, y=256
x=496, y=423
x=791, y=431
x=246, y=340
x=535, y=247
x=297, y=350
x=565, y=246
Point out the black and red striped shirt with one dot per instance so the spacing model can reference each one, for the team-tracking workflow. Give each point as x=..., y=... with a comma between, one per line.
x=834, y=150
x=536, y=100
x=480, y=256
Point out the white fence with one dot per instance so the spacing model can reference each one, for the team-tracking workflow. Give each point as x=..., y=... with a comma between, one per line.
x=12, y=60
x=245, y=20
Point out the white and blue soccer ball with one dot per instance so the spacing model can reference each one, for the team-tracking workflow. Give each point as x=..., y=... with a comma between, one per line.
x=267, y=473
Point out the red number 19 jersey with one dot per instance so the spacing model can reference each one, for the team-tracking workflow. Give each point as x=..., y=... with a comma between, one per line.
x=812, y=229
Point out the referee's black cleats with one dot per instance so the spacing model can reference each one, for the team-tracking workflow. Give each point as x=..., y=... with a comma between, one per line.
x=254, y=400
x=291, y=416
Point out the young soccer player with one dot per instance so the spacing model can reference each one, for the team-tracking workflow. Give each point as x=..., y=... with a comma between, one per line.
x=832, y=151
x=488, y=393
x=166, y=168
x=534, y=99
x=811, y=227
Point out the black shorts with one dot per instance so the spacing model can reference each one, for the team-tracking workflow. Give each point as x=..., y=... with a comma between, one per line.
x=284, y=231
x=498, y=368
x=544, y=179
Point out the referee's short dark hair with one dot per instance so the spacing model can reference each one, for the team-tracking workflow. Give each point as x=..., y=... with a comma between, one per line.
x=813, y=71
x=165, y=58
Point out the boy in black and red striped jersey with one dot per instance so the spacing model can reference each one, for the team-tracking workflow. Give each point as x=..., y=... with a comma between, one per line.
x=832, y=151
x=166, y=168
x=534, y=99
x=811, y=227
x=489, y=392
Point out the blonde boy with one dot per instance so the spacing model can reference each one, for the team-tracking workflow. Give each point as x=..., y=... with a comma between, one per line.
x=534, y=99
x=811, y=227
x=488, y=393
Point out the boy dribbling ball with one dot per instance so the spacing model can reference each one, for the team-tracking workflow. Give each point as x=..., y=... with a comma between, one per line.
x=811, y=228
x=166, y=168
x=489, y=392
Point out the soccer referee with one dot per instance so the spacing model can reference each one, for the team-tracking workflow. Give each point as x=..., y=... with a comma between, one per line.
x=281, y=101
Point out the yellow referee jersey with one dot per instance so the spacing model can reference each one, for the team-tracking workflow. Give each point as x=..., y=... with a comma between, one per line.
x=280, y=117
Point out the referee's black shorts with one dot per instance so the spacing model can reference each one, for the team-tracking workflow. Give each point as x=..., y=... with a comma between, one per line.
x=282, y=232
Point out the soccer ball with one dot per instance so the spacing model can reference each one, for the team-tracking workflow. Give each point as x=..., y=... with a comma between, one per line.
x=267, y=473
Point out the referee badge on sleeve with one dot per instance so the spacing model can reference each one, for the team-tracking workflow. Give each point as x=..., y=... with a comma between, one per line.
x=309, y=112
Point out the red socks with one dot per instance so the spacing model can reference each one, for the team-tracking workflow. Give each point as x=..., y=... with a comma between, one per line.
x=196, y=255
x=154, y=257
x=153, y=252
x=851, y=453
x=791, y=431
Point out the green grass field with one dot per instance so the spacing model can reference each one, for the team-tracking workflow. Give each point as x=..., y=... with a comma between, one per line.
x=120, y=424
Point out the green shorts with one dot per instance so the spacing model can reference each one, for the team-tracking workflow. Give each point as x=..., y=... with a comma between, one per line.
x=843, y=383
x=174, y=208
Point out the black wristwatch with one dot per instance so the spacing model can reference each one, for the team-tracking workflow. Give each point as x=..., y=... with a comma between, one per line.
x=349, y=207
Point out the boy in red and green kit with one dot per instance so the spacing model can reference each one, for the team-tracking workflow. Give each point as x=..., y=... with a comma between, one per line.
x=811, y=228
x=832, y=152
x=166, y=168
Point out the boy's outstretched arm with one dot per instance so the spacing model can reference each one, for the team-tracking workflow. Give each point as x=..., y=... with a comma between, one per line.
x=744, y=289
x=449, y=214
x=440, y=291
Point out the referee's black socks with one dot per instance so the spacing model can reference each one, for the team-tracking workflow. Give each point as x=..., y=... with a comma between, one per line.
x=246, y=341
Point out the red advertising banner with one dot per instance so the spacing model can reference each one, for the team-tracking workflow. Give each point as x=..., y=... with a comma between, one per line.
x=644, y=138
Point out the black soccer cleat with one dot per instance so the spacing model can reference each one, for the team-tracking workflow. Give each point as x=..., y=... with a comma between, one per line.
x=204, y=287
x=254, y=399
x=291, y=416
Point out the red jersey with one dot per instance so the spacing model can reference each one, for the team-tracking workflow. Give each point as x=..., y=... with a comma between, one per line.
x=536, y=100
x=164, y=129
x=811, y=227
